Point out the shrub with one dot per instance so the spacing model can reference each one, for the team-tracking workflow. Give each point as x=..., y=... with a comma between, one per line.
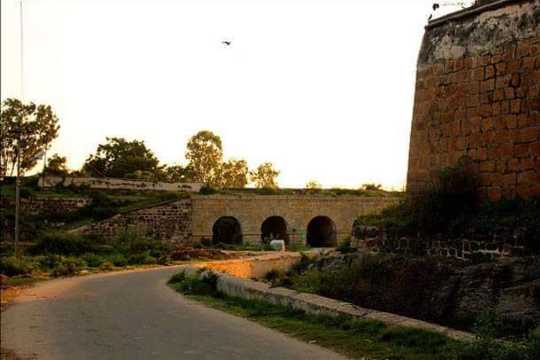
x=62, y=244
x=451, y=199
x=141, y=259
x=12, y=265
x=345, y=247
x=534, y=344
x=106, y=266
x=118, y=260
x=207, y=190
x=93, y=260
x=68, y=267
x=206, y=285
x=50, y=261
x=164, y=260
x=383, y=283
x=177, y=278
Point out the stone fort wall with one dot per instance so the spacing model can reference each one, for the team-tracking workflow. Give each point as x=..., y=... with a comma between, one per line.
x=170, y=221
x=191, y=220
x=477, y=96
x=297, y=211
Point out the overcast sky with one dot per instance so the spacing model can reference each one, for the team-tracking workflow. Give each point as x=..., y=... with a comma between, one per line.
x=323, y=89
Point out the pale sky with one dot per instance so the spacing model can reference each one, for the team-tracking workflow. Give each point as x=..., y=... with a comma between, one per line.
x=323, y=89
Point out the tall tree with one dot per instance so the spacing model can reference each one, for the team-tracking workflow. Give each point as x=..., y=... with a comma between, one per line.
x=265, y=176
x=313, y=185
x=123, y=159
x=205, y=155
x=233, y=174
x=57, y=166
x=30, y=127
x=177, y=173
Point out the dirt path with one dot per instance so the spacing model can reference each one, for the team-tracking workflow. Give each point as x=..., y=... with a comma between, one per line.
x=134, y=315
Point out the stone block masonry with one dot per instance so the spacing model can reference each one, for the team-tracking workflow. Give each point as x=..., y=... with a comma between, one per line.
x=478, y=96
x=192, y=220
x=169, y=221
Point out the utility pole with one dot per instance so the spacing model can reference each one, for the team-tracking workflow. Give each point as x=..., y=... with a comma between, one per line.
x=18, y=175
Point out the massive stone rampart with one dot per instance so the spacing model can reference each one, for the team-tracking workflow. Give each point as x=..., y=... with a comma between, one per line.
x=477, y=96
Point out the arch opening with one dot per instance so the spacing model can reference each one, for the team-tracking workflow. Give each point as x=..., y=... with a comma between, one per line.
x=321, y=232
x=274, y=228
x=227, y=230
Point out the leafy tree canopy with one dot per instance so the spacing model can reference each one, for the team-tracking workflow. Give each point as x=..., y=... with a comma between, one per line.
x=205, y=156
x=233, y=174
x=57, y=166
x=177, y=173
x=121, y=158
x=313, y=185
x=32, y=127
x=265, y=176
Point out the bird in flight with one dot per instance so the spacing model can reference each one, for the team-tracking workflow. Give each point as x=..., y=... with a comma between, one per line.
x=226, y=42
x=435, y=7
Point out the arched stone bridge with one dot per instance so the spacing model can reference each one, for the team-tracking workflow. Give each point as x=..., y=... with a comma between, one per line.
x=315, y=220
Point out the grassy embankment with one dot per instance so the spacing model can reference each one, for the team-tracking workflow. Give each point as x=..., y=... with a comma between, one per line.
x=359, y=339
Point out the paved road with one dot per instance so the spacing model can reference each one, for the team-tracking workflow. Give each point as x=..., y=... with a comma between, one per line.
x=134, y=315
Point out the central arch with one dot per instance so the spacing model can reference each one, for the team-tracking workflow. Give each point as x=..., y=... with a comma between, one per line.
x=227, y=230
x=274, y=228
x=321, y=232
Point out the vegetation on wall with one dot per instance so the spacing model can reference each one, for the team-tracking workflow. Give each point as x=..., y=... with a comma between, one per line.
x=454, y=208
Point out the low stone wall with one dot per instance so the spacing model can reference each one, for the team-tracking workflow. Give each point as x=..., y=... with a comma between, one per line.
x=495, y=246
x=38, y=207
x=49, y=205
x=170, y=221
x=312, y=304
x=117, y=184
x=256, y=267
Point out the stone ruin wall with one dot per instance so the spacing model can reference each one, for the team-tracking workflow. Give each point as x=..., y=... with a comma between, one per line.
x=191, y=220
x=478, y=97
x=297, y=211
x=170, y=222
x=35, y=206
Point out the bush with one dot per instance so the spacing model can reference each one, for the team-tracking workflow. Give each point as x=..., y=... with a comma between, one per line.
x=118, y=260
x=345, y=247
x=141, y=259
x=12, y=266
x=63, y=244
x=206, y=285
x=93, y=260
x=383, y=283
x=207, y=190
x=164, y=260
x=106, y=266
x=177, y=278
x=68, y=267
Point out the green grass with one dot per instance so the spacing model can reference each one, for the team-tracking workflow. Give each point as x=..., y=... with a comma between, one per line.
x=352, y=337
x=23, y=280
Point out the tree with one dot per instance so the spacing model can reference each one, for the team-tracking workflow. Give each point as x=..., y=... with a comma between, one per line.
x=313, y=185
x=265, y=176
x=233, y=174
x=177, y=173
x=30, y=127
x=57, y=166
x=371, y=186
x=205, y=155
x=123, y=159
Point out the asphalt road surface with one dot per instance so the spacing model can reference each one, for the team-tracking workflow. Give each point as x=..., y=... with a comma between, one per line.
x=134, y=315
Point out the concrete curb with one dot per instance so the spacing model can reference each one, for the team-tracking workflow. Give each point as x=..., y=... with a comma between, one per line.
x=313, y=304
